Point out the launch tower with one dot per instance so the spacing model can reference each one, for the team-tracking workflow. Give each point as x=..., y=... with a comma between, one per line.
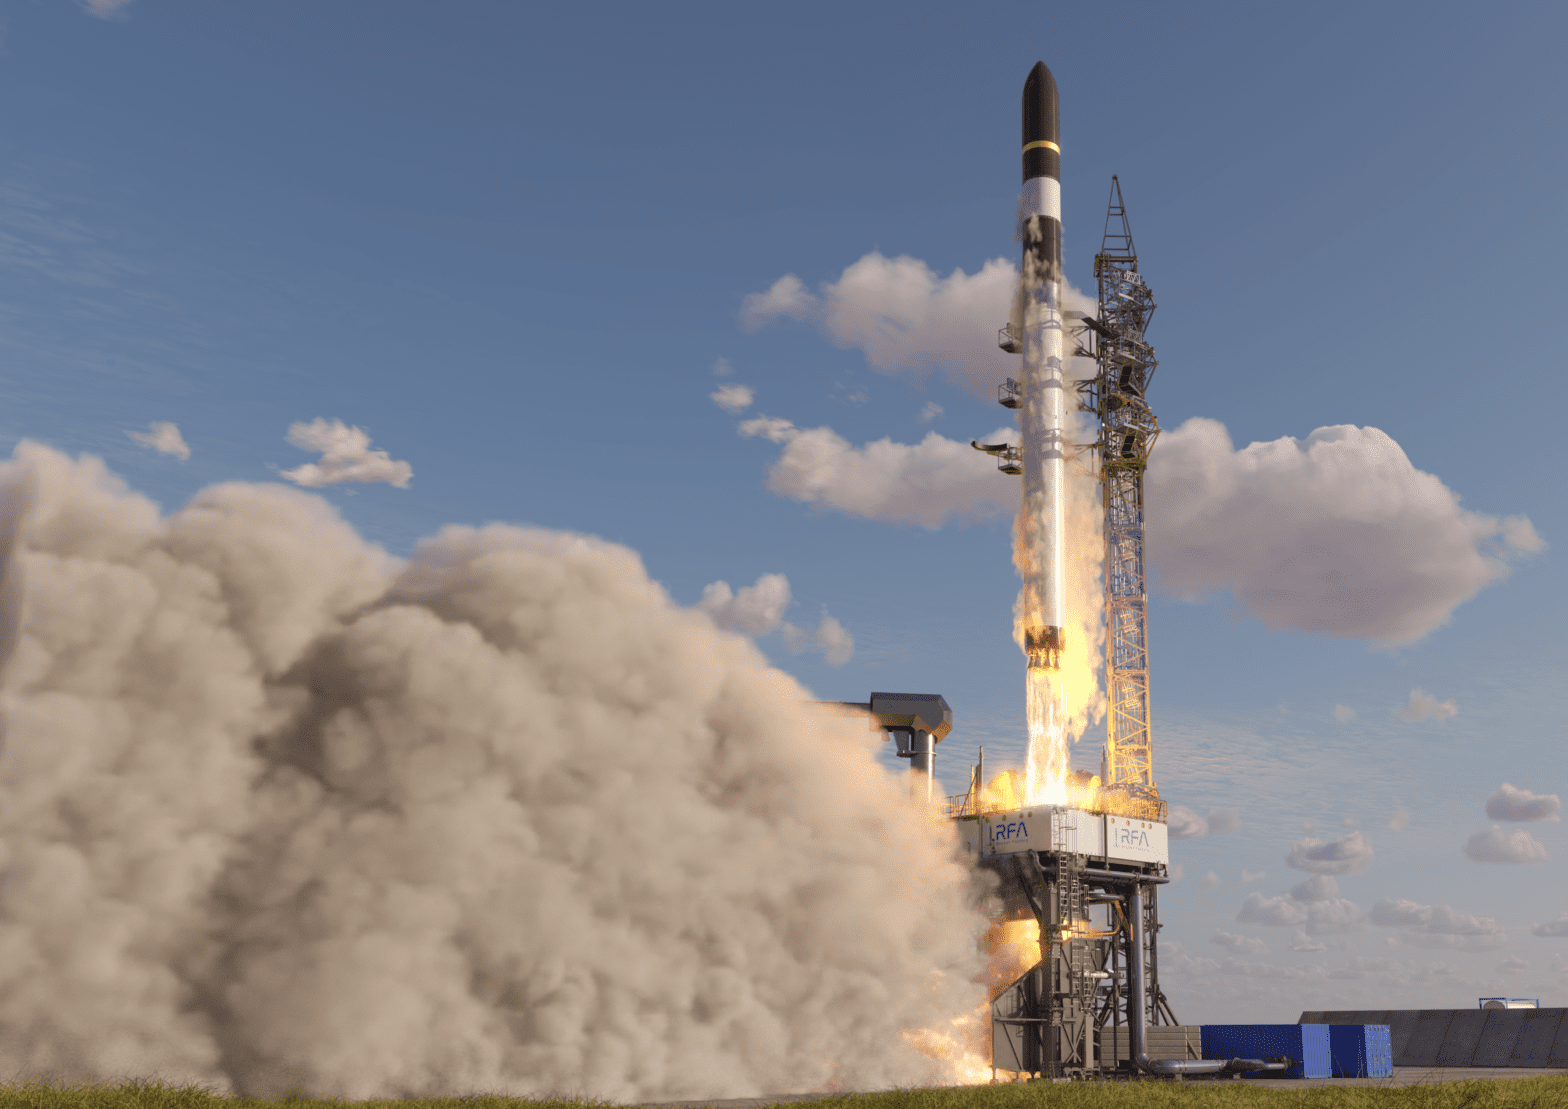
x=1117, y=395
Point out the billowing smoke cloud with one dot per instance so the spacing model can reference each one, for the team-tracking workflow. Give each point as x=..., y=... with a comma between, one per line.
x=1336, y=533
x=1424, y=706
x=282, y=813
x=1519, y=806
x=1498, y=846
x=1347, y=855
x=345, y=457
x=163, y=437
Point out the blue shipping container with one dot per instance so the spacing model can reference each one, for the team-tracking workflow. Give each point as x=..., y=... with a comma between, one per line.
x=1306, y=1046
x=1361, y=1050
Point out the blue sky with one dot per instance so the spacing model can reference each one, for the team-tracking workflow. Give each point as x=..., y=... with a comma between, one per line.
x=514, y=244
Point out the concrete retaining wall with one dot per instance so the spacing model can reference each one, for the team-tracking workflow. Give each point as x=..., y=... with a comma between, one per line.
x=1465, y=1037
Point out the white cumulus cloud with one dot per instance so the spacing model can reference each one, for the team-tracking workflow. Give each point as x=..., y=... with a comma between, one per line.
x=830, y=637
x=1424, y=706
x=1437, y=925
x=928, y=483
x=1349, y=854
x=1249, y=877
x=753, y=610
x=905, y=317
x=1498, y=846
x=1319, y=887
x=163, y=437
x=1558, y=927
x=758, y=610
x=1274, y=912
x=1239, y=945
x=732, y=397
x=1307, y=945
x=1224, y=822
x=346, y=456
x=1211, y=881
x=1182, y=823
x=1336, y=533
x=103, y=9
x=1519, y=806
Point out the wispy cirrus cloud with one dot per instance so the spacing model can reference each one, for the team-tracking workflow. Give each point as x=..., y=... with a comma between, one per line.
x=163, y=437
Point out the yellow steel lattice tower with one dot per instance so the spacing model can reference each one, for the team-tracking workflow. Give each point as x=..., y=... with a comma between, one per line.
x=1127, y=432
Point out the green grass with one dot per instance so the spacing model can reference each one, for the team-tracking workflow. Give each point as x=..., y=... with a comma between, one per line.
x=1518, y=1093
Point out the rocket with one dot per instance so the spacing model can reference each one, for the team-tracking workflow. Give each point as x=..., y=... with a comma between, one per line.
x=1043, y=387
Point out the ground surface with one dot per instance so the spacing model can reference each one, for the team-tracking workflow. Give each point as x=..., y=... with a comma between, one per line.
x=1403, y=1076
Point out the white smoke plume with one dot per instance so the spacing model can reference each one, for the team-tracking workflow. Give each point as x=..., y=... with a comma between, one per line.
x=345, y=457
x=1336, y=533
x=907, y=319
x=163, y=437
x=282, y=813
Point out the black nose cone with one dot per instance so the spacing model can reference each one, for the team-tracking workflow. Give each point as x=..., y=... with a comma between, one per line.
x=1042, y=141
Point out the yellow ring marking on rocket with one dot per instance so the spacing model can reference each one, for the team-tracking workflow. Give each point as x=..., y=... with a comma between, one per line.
x=1048, y=145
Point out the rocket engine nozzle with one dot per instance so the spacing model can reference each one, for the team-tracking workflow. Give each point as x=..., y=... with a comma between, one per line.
x=1043, y=648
